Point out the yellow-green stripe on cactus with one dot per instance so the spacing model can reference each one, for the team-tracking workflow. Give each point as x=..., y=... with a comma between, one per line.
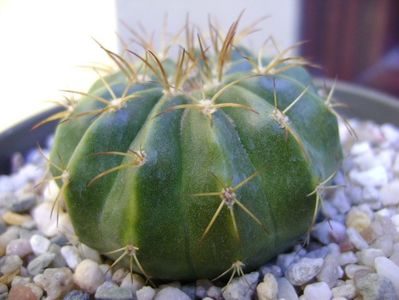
x=202, y=166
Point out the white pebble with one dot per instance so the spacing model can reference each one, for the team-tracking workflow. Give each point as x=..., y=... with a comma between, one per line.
x=352, y=269
x=318, y=291
x=331, y=270
x=385, y=158
x=45, y=221
x=347, y=258
x=371, y=194
x=390, y=193
x=329, y=231
x=304, y=270
x=71, y=256
x=360, y=148
x=286, y=290
x=347, y=290
x=133, y=282
x=268, y=289
x=55, y=281
x=387, y=268
x=145, y=293
x=356, y=239
x=20, y=247
x=341, y=201
x=396, y=164
x=39, y=244
x=367, y=256
x=390, y=132
x=88, y=276
x=171, y=293
x=384, y=243
x=395, y=221
x=365, y=161
x=374, y=177
x=50, y=191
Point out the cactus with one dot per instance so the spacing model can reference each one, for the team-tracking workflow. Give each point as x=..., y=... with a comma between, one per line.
x=199, y=168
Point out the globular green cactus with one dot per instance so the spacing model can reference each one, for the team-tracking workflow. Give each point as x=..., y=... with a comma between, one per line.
x=198, y=168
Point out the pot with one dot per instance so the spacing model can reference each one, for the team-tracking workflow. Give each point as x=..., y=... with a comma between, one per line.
x=362, y=103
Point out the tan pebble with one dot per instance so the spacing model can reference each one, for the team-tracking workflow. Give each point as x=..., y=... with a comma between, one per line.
x=358, y=219
x=368, y=234
x=15, y=219
x=21, y=292
x=8, y=278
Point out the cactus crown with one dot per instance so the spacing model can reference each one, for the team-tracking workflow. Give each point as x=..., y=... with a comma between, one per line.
x=200, y=166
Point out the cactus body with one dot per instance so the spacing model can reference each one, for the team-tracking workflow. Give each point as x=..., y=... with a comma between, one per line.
x=194, y=181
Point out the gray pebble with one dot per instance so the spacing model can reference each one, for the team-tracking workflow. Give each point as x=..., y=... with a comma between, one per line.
x=10, y=263
x=59, y=261
x=38, y=264
x=189, y=290
x=303, y=271
x=284, y=260
x=3, y=227
x=110, y=291
x=77, y=295
x=242, y=288
x=12, y=233
x=202, y=286
x=318, y=253
x=375, y=287
x=23, y=203
x=3, y=288
x=60, y=240
x=88, y=253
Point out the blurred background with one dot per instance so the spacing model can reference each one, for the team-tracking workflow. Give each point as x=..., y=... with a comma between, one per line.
x=46, y=45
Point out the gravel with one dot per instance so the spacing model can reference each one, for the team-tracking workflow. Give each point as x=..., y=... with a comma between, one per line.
x=353, y=251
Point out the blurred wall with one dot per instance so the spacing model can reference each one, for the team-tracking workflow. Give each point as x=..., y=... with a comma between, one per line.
x=43, y=42
x=282, y=22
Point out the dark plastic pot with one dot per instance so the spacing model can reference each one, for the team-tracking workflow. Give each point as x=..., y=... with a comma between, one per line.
x=362, y=103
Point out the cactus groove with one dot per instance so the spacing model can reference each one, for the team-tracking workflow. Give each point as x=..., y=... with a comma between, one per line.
x=200, y=167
